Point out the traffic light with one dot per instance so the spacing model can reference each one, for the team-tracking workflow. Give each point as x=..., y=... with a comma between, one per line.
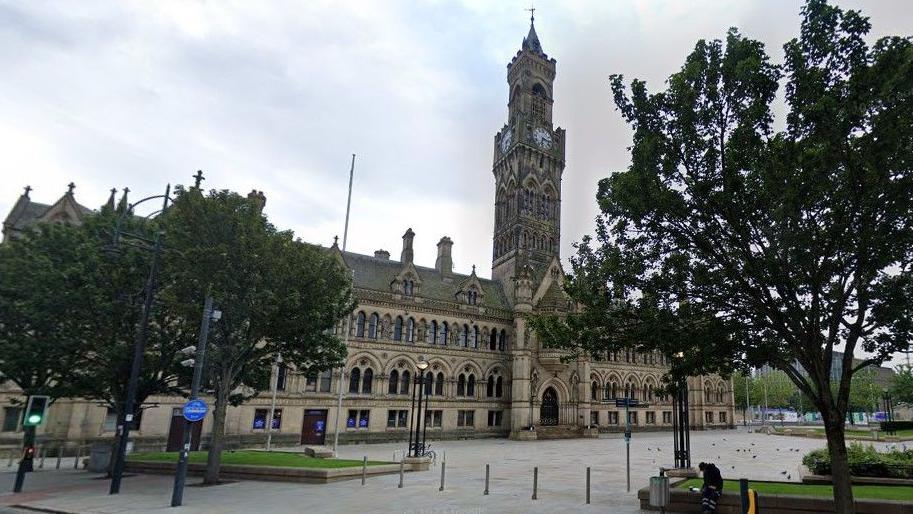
x=35, y=411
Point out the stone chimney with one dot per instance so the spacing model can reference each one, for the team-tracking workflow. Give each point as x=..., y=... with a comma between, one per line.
x=258, y=198
x=382, y=254
x=406, y=256
x=444, y=262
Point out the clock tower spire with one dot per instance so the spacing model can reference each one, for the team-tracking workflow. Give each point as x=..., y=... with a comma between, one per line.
x=528, y=164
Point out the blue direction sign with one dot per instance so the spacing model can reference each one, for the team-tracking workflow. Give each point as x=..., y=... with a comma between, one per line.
x=195, y=410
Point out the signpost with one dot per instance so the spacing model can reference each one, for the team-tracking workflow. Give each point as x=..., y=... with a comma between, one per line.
x=195, y=410
x=627, y=403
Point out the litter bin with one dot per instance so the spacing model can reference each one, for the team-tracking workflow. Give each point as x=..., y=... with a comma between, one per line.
x=659, y=491
x=99, y=457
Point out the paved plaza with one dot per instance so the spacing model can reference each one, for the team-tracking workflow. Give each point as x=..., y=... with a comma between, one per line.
x=562, y=471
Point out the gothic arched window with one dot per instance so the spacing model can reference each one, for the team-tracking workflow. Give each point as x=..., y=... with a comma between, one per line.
x=372, y=326
x=410, y=330
x=429, y=383
x=475, y=336
x=431, y=337
x=493, y=340
x=499, y=387
x=445, y=333
x=465, y=336
x=502, y=341
x=398, y=329
x=461, y=385
x=594, y=391
x=360, y=325
x=490, y=387
x=354, y=380
x=393, y=383
x=407, y=287
x=471, y=385
x=439, y=385
x=367, y=382
x=404, y=388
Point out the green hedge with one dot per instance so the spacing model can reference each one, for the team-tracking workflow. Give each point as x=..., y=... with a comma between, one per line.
x=896, y=425
x=865, y=461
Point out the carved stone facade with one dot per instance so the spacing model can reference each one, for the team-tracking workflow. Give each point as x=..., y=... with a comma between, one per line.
x=488, y=376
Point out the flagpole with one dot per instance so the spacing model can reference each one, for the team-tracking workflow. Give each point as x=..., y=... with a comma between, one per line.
x=345, y=232
x=342, y=370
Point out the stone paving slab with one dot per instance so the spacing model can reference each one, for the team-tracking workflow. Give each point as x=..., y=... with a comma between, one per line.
x=562, y=470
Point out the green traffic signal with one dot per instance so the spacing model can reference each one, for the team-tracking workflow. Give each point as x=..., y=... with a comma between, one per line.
x=34, y=411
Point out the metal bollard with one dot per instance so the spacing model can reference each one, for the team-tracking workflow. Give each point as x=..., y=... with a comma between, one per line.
x=364, y=470
x=535, y=481
x=78, y=455
x=443, y=465
x=486, y=479
x=44, y=452
x=402, y=466
x=587, y=485
x=59, y=456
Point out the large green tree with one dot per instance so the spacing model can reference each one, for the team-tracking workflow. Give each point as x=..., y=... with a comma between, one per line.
x=276, y=294
x=739, y=244
x=902, y=384
x=69, y=307
x=109, y=306
x=39, y=341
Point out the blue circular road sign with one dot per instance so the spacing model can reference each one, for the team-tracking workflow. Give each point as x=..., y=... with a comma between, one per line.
x=195, y=410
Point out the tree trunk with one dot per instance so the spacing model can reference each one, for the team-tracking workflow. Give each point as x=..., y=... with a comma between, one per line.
x=214, y=457
x=840, y=466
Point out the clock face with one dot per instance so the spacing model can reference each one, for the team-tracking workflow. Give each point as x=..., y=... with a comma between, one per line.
x=505, y=140
x=543, y=138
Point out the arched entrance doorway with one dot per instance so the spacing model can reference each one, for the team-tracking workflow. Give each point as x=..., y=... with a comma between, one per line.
x=548, y=411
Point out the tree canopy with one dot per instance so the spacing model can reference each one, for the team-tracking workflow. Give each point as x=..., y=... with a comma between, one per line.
x=276, y=294
x=739, y=244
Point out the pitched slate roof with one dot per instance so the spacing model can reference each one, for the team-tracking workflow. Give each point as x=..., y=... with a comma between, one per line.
x=377, y=273
x=26, y=212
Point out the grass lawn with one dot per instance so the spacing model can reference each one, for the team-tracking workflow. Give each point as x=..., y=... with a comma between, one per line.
x=874, y=492
x=255, y=458
x=906, y=433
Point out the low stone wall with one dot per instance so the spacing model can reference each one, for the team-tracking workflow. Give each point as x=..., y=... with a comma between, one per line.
x=684, y=501
x=275, y=474
x=828, y=480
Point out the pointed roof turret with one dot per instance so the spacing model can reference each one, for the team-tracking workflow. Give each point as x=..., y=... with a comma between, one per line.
x=531, y=41
x=110, y=204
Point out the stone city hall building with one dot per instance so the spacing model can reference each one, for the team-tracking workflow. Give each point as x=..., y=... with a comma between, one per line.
x=487, y=374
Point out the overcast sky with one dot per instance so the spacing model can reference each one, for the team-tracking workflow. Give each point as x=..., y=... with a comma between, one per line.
x=277, y=96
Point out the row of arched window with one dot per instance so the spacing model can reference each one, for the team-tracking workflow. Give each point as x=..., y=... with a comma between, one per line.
x=528, y=202
x=527, y=240
x=631, y=356
x=441, y=333
x=400, y=383
x=612, y=391
x=714, y=394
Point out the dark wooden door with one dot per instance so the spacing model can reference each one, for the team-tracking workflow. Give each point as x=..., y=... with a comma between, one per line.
x=314, y=428
x=176, y=432
x=548, y=412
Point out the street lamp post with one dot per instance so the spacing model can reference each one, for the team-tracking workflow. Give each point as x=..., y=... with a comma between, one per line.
x=418, y=447
x=745, y=416
x=142, y=330
x=180, y=477
x=272, y=407
x=888, y=412
x=681, y=426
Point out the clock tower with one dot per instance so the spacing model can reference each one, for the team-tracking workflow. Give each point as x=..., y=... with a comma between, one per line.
x=527, y=166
